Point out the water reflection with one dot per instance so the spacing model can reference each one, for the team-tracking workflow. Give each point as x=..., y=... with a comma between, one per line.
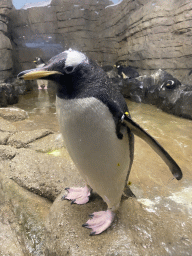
x=40, y=105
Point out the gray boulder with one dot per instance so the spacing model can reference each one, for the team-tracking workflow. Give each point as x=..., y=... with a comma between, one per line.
x=13, y=114
x=8, y=95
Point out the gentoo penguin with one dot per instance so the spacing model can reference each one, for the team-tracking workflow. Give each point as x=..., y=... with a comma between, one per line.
x=126, y=72
x=42, y=84
x=97, y=130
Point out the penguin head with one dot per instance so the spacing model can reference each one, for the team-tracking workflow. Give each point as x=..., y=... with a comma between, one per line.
x=119, y=69
x=63, y=64
x=38, y=61
x=171, y=84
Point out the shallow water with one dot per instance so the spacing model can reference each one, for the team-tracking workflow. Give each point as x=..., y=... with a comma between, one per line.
x=165, y=198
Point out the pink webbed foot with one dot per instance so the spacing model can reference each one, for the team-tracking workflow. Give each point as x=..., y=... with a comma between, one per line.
x=78, y=195
x=99, y=221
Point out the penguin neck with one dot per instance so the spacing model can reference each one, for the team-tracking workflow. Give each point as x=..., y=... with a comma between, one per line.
x=83, y=83
x=69, y=87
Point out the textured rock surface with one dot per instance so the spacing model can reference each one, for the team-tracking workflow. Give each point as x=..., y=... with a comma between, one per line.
x=42, y=174
x=6, y=62
x=22, y=139
x=22, y=221
x=6, y=126
x=13, y=114
x=48, y=30
x=8, y=94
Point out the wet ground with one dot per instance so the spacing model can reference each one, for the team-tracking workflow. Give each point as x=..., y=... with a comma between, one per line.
x=169, y=200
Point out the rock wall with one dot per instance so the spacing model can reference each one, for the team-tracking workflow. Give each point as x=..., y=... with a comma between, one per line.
x=152, y=34
x=147, y=35
x=48, y=30
x=5, y=44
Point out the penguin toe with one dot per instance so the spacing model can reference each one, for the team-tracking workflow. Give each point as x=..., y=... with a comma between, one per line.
x=99, y=221
x=77, y=195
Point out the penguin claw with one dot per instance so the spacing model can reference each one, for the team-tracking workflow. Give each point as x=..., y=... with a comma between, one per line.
x=63, y=197
x=78, y=195
x=99, y=222
x=85, y=225
x=73, y=201
x=92, y=234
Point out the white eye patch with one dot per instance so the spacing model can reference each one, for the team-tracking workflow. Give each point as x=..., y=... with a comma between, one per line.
x=74, y=58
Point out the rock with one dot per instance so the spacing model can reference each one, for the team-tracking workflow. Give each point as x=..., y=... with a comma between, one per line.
x=47, y=144
x=107, y=68
x=134, y=89
x=43, y=174
x=4, y=137
x=118, y=82
x=9, y=243
x=110, y=71
x=3, y=98
x=21, y=86
x=5, y=43
x=183, y=106
x=8, y=95
x=128, y=235
x=22, y=221
x=6, y=4
x=22, y=139
x=7, y=152
x=13, y=114
x=6, y=62
x=6, y=126
x=3, y=27
x=148, y=40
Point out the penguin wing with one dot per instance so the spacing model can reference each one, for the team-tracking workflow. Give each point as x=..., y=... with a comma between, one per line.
x=137, y=130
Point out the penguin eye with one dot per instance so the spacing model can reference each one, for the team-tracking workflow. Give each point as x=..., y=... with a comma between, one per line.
x=69, y=69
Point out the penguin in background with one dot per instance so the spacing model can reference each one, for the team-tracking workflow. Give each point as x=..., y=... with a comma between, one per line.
x=42, y=84
x=98, y=132
x=126, y=72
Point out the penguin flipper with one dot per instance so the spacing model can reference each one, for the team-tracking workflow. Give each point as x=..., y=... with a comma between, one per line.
x=137, y=130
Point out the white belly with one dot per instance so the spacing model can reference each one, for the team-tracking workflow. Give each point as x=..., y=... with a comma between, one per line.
x=89, y=133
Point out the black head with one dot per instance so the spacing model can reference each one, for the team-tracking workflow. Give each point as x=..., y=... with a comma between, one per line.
x=172, y=83
x=72, y=72
x=62, y=64
x=38, y=61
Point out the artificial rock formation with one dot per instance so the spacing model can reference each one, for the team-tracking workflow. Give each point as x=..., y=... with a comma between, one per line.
x=48, y=30
x=5, y=44
x=145, y=34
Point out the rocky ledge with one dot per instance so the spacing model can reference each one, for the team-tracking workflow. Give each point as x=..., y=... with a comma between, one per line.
x=10, y=89
x=160, y=89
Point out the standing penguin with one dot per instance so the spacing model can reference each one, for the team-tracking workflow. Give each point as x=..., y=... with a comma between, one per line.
x=42, y=84
x=97, y=130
